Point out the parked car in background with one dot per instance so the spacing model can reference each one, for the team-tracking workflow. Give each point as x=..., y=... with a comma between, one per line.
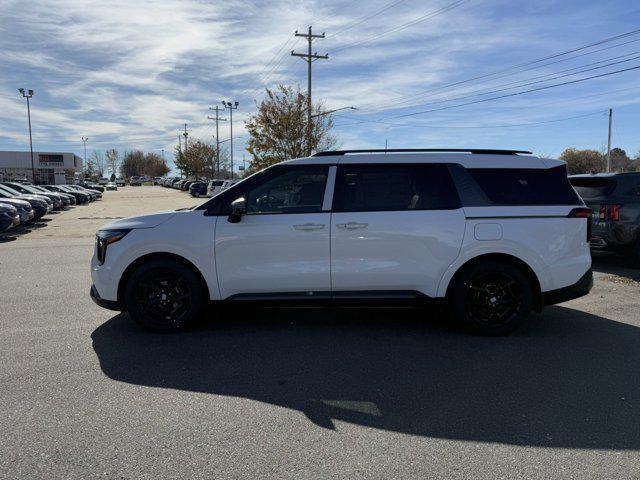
x=91, y=186
x=111, y=186
x=135, y=181
x=214, y=187
x=615, y=201
x=39, y=205
x=79, y=196
x=103, y=181
x=157, y=180
x=58, y=201
x=492, y=234
x=198, y=189
x=185, y=185
x=95, y=195
x=65, y=195
x=16, y=194
x=120, y=182
x=9, y=217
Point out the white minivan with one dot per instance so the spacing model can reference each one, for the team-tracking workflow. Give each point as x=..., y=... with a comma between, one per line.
x=492, y=233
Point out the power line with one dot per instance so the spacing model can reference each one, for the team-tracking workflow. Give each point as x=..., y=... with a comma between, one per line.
x=368, y=17
x=427, y=16
x=546, y=87
x=527, y=63
x=551, y=76
x=432, y=125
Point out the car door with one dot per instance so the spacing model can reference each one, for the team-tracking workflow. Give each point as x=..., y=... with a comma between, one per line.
x=280, y=248
x=395, y=228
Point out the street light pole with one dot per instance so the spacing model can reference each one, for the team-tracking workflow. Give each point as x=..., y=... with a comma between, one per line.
x=28, y=95
x=84, y=140
x=231, y=107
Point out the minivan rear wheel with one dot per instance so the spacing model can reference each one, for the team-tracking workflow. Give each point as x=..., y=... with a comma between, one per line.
x=491, y=298
x=164, y=295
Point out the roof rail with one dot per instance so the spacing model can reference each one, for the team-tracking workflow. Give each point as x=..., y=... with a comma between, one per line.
x=423, y=150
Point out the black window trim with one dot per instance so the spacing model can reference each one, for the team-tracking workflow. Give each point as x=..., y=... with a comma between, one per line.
x=217, y=205
x=408, y=164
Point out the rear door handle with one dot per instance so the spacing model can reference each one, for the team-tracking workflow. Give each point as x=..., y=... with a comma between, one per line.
x=309, y=226
x=352, y=225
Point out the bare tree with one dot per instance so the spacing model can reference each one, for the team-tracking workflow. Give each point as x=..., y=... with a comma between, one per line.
x=99, y=162
x=112, y=158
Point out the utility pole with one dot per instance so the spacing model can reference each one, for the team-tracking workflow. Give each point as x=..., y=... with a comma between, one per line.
x=84, y=140
x=309, y=57
x=28, y=95
x=609, y=141
x=217, y=119
x=180, y=151
x=186, y=134
x=231, y=107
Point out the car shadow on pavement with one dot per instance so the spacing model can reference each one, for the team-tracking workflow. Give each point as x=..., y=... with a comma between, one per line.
x=568, y=379
x=615, y=265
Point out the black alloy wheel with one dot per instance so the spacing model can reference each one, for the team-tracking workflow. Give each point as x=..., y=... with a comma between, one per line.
x=164, y=295
x=491, y=298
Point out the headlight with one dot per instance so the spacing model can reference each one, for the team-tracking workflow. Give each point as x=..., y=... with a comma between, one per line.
x=106, y=237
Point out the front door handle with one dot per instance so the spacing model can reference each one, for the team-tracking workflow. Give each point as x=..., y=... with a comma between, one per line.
x=352, y=225
x=309, y=226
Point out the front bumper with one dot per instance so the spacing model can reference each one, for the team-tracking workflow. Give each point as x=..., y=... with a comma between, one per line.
x=579, y=289
x=108, y=304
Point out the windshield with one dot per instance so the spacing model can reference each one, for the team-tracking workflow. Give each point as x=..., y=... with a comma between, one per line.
x=10, y=190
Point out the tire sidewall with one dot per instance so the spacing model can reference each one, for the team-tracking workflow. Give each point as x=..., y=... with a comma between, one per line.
x=459, y=291
x=195, y=287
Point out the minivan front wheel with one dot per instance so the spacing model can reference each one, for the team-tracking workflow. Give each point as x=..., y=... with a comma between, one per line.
x=164, y=295
x=492, y=298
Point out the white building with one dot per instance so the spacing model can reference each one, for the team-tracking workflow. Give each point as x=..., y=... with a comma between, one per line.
x=51, y=167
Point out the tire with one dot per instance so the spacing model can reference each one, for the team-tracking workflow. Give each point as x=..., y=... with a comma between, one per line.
x=196, y=194
x=164, y=296
x=491, y=298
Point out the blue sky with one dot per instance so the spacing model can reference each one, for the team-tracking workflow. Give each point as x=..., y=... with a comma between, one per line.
x=130, y=74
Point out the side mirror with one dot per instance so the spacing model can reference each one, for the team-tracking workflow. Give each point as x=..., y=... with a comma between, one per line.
x=238, y=209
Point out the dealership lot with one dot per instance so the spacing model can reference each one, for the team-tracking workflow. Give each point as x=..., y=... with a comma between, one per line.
x=302, y=393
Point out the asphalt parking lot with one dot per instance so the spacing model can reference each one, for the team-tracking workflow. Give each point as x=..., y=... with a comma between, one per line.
x=340, y=393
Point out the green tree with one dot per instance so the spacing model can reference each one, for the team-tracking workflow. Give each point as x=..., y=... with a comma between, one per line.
x=136, y=163
x=583, y=161
x=620, y=162
x=279, y=130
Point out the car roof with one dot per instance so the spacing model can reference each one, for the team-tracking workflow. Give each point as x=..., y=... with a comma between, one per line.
x=468, y=160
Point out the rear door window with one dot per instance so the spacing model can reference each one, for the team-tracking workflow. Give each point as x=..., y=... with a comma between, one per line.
x=375, y=188
x=526, y=186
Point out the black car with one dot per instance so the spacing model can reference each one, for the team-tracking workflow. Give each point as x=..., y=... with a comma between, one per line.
x=198, y=189
x=79, y=196
x=39, y=205
x=615, y=200
x=8, y=217
x=92, y=186
x=66, y=197
x=58, y=201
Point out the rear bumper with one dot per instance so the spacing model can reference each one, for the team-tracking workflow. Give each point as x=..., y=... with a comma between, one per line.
x=579, y=289
x=108, y=304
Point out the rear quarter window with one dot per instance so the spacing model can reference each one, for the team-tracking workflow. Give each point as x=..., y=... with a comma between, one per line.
x=526, y=186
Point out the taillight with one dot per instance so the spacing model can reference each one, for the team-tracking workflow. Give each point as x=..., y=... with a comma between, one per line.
x=583, y=212
x=610, y=212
